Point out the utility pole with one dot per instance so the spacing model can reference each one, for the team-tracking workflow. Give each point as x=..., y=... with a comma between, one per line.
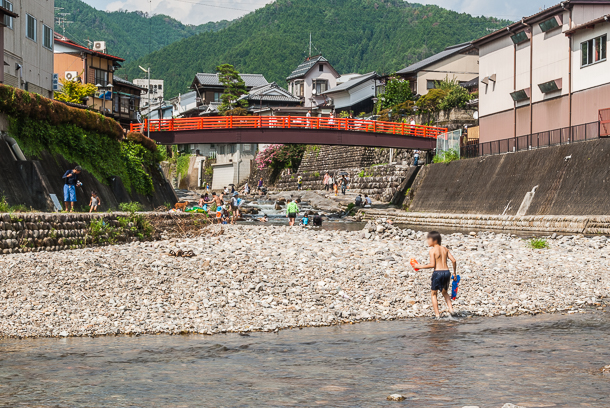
x=149, y=105
x=62, y=20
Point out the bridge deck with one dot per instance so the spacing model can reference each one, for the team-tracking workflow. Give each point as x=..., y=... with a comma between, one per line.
x=290, y=129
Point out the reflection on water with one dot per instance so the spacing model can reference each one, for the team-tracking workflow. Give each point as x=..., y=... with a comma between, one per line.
x=543, y=361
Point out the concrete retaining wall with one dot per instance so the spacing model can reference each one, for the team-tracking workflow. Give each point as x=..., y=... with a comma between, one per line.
x=34, y=232
x=30, y=182
x=564, y=180
x=551, y=224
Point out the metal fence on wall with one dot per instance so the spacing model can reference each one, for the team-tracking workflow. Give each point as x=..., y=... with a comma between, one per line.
x=448, y=141
x=578, y=133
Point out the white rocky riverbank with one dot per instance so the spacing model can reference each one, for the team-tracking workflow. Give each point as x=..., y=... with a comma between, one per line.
x=267, y=278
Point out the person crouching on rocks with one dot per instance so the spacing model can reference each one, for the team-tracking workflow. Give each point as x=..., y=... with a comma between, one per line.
x=441, y=276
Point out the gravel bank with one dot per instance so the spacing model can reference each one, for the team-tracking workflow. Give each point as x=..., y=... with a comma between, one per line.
x=268, y=278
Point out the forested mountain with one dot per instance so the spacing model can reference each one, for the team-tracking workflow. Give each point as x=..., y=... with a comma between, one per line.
x=129, y=35
x=354, y=35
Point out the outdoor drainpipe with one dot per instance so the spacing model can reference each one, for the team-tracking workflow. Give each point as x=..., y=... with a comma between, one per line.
x=531, y=76
x=15, y=148
x=514, y=89
x=570, y=39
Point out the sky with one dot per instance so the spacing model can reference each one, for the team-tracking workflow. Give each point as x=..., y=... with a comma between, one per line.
x=202, y=11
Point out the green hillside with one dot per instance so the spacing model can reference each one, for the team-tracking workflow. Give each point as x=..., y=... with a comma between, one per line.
x=127, y=34
x=354, y=35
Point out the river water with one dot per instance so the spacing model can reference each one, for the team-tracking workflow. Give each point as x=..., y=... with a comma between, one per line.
x=533, y=361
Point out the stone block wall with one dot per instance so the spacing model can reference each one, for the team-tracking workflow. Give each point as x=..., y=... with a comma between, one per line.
x=379, y=182
x=34, y=232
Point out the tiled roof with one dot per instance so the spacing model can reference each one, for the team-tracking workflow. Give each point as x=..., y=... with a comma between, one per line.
x=352, y=83
x=63, y=40
x=125, y=82
x=261, y=94
x=447, y=52
x=251, y=80
x=305, y=67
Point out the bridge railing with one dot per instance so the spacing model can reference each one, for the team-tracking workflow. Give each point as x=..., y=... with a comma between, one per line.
x=288, y=122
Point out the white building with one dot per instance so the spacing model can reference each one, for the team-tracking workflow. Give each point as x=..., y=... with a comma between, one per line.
x=26, y=45
x=547, y=72
x=311, y=79
x=155, y=93
x=354, y=95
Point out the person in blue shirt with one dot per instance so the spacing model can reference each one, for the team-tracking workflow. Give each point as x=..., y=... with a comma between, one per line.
x=305, y=220
x=70, y=182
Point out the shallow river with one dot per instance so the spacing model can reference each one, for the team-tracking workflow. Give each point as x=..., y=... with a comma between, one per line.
x=542, y=361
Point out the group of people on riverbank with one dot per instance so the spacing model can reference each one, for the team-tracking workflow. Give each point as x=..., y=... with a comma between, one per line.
x=336, y=182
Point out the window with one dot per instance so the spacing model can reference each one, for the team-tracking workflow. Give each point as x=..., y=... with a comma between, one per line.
x=232, y=149
x=298, y=89
x=321, y=68
x=132, y=104
x=30, y=27
x=101, y=77
x=320, y=85
x=8, y=20
x=247, y=147
x=551, y=23
x=551, y=86
x=221, y=149
x=124, y=105
x=47, y=37
x=520, y=37
x=430, y=84
x=217, y=96
x=521, y=95
x=594, y=50
x=160, y=86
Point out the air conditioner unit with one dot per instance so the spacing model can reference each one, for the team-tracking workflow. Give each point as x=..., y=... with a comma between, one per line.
x=99, y=46
x=71, y=75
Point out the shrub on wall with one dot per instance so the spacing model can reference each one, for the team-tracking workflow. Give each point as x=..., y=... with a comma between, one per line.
x=80, y=136
x=18, y=103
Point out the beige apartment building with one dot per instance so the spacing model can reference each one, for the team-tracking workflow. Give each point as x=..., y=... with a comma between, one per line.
x=459, y=62
x=545, y=72
x=26, y=45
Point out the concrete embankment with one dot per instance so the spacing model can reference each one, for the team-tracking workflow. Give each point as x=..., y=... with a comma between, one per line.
x=568, y=180
x=539, y=223
x=31, y=182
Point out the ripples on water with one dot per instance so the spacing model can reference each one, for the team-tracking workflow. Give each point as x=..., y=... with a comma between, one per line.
x=543, y=361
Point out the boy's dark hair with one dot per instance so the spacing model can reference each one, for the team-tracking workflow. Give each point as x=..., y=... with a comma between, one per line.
x=289, y=200
x=435, y=236
x=213, y=193
x=94, y=192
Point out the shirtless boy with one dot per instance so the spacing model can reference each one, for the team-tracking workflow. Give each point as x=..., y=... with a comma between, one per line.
x=441, y=275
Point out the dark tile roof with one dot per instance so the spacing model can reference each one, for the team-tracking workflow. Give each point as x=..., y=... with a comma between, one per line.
x=125, y=82
x=305, y=66
x=352, y=83
x=259, y=94
x=251, y=80
x=470, y=84
x=447, y=52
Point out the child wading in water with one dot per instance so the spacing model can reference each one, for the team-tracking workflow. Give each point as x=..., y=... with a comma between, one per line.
x=441, y=275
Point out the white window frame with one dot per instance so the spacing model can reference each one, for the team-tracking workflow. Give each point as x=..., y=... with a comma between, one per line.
x=46, y=28
x=27, y=26
x=603, y=40
x=8, y=20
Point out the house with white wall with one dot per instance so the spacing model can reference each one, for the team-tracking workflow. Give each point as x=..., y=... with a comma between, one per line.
x=459, y=62
x=545, y=72
x=354, y=95
x=311, y=79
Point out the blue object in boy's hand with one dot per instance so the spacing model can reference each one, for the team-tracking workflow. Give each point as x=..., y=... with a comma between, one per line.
x=454, y=287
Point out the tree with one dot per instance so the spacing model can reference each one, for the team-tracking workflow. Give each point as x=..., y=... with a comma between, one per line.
x=397, y=92
x=74, y=91
x=234, y=88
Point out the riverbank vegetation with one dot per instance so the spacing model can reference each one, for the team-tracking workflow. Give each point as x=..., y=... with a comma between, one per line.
x=84, y=137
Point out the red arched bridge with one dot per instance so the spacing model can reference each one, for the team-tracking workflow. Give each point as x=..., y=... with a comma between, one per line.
x=290, y=129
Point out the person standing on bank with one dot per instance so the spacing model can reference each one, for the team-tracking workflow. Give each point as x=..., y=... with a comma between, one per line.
x=70, y=182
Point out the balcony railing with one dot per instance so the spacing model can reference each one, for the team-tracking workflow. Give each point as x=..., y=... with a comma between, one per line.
x=574, y=134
